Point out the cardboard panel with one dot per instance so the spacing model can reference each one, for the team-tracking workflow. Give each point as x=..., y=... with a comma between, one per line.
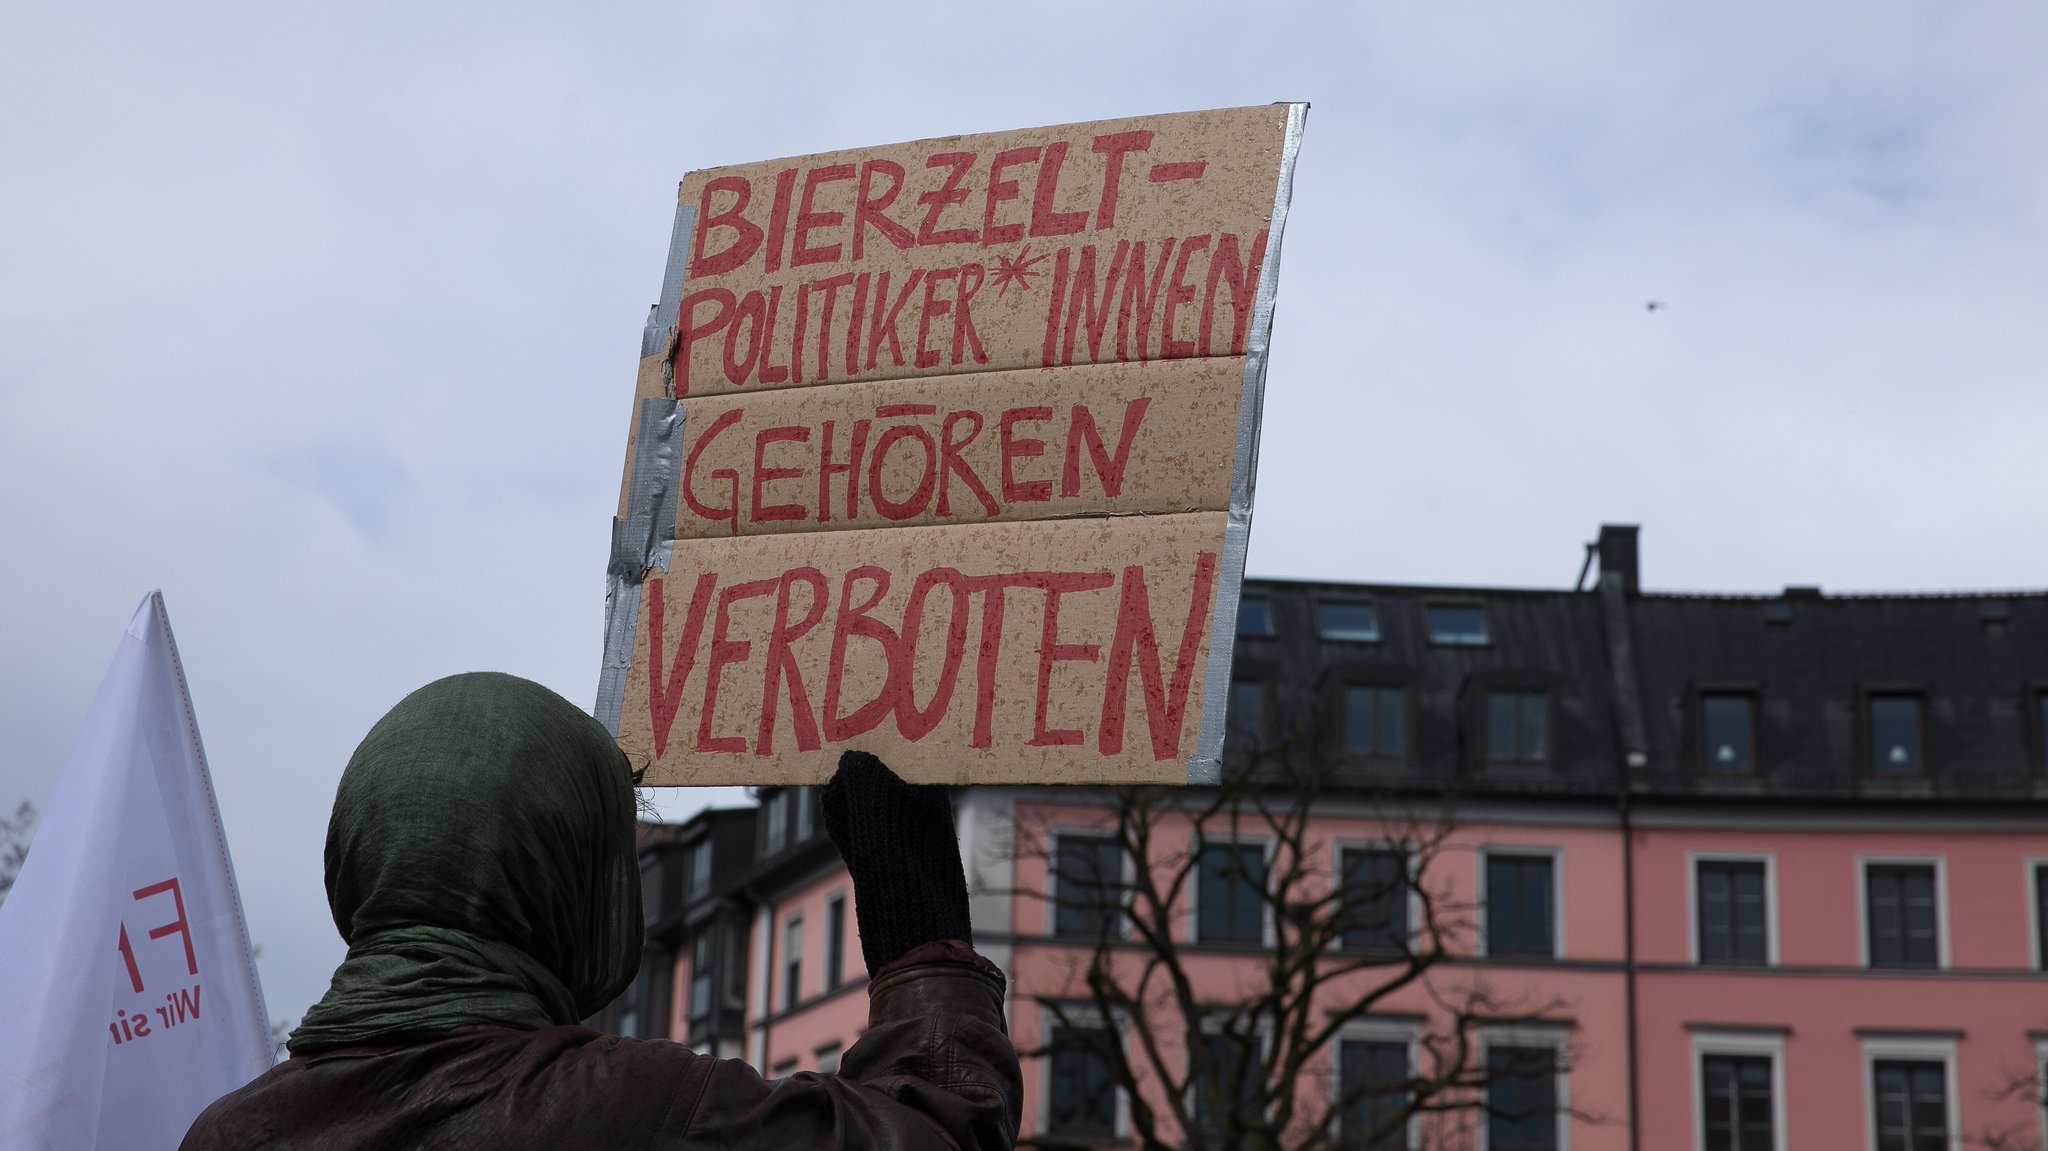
x=1034, y=651
x=1119, y=240
x=1119, y=439
x=944, y=450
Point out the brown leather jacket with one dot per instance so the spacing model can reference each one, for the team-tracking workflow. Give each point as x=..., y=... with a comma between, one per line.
x=934, y=1069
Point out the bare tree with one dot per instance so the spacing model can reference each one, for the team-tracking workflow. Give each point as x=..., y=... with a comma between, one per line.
x=2021, y=1086
x=15, y=834
x=1336, y=944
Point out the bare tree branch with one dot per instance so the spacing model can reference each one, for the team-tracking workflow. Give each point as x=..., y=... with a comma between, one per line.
x=1258, y=1066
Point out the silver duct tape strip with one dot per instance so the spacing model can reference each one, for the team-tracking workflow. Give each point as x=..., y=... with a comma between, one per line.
x=643, y=539
x=651, y=492
x=621, y=617
x=662, y=316
x=640, y=542
x=1206, y=766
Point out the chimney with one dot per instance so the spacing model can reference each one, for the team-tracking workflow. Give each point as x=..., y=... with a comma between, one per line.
x=1617, y=548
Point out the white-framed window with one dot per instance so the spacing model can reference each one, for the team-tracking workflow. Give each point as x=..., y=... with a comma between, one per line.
x=2041, y=1085
x=699, y=868
x=1088, y=874
x=774, y=822
x=792, y=959
x=1738, y=1091
x=2037, y=918
x=1732, y=907
x=1902, y=911
x=1909, y=1081
x=828, y=1059
x=835, y=940
x=1229, y=1053
x=1078, y=1096
x=1374, y=1059
x=1526, y=1096
x=1231, y=875
x=803, y=798
x=703, y=970
x=1520, y=902
x=760, y=984
x=1385, y=914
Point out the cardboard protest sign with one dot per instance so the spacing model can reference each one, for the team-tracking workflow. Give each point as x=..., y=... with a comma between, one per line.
x=944, y=451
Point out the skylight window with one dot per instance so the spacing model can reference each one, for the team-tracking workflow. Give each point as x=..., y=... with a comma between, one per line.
x=1353, y=621
x=1457, y=623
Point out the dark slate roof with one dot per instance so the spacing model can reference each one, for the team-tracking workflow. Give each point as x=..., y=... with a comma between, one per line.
x=1623, y=671
x=1978, y=662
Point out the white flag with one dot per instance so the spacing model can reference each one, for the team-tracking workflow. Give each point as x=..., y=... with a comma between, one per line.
x=128, y=994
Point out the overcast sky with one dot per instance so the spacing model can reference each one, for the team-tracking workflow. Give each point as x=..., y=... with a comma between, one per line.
x=324, y=318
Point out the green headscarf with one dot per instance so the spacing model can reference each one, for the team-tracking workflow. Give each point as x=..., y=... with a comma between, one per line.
x=481, y=867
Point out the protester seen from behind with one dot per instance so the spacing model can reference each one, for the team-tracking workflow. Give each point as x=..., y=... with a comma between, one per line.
x=481, y=867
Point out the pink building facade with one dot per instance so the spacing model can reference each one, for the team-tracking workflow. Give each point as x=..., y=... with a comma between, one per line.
x=1866, y=1009
x=1774, y=869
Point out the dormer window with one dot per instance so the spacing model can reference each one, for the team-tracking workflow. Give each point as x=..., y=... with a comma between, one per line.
x=2040, y=702
x=1457, y=624
x=1373, y=720
x=1247, y=714
x=1517, y=727
x=699, y=876
x=1894, y=730
x=774, y=822
x=1254, y=615
x=1727, y=733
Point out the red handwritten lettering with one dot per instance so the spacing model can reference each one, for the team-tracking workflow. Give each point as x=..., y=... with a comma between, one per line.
x=856, y=621
x=870, y=210
x=665, y=693
x=764, y=475
x=746, y=234
x=726, y=651
x=1014, y=447
x=778, y=216
x=806, y=219
x=999, y=191
x=782, y=664
x=1052, y=651
x=915, y=723
x=1045, y=221
x=1135, y=642
x=730, y=512
x=1108, y=468
x=947, y=194
x=1116, y=146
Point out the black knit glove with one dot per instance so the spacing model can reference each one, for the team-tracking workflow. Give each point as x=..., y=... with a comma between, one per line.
x=899, y=845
